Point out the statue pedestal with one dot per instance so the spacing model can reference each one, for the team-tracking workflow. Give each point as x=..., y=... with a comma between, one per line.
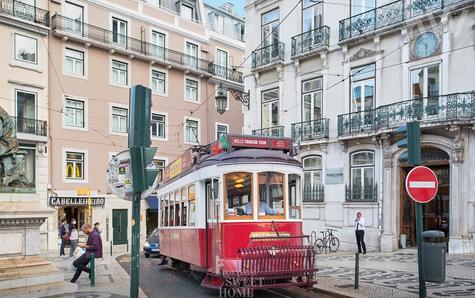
x=23, y=271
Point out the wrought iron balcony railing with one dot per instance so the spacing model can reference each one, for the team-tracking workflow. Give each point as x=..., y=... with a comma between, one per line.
x=25, y=12
x=275, y=131
x=226, y=73
x=313, y=193
x=368, y=193
x=31, y=126
x=442, y=108
x=310, y=40
x=310, y=130
x=268, y=54
x=387, y=15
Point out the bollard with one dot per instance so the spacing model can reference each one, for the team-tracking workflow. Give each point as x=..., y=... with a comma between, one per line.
x=92, y=275
x=357, y=271
x=111, y=248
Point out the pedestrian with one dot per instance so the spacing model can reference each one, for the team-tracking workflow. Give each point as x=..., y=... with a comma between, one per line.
x=73, y=237
x=97, y=227
x=93, y=246
x=359, y=232
x=64, y=234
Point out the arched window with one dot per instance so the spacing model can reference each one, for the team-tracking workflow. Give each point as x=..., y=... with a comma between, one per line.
x=362, y=173
x=312, y=179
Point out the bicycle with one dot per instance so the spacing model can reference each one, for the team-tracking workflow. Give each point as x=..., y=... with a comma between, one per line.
x=327, y=238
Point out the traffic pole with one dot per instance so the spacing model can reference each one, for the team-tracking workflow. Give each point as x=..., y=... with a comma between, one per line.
x=134, y=254
x=419, y=227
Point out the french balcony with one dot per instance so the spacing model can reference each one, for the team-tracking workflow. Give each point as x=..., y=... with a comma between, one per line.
x=30, y=126
x=268, y=55
x=310, y=41
x=430, y=111
x=361, y=194
x=225, y=73
x=313, y=193
x=310, y=130
x=275, y=131
x=25, y=12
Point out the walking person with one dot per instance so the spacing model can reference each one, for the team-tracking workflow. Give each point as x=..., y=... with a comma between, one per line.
x=97, y=227
x=63, y=233
x=92, y=246
x=359, y=232
x=73, y=237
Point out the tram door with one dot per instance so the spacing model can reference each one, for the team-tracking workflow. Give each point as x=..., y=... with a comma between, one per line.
x=213, y=228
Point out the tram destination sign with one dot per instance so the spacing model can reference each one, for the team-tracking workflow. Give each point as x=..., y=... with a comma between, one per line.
x=240, y=141
x=76, y=201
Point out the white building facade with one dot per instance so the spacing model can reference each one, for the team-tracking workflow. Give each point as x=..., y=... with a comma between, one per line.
x=339, y=78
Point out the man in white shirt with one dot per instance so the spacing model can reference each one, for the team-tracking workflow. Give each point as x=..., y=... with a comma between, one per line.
x=359, y=232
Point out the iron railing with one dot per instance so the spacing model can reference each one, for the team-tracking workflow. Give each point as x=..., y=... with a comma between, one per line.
x=274, y=131
x=368, y=193
x=387, y=15
x=310, y=130
x=310, y=40
x=226, y=73
x=268, y=54
x=442, y=108
x=25, y=12
x=313, y=193
x=137, y=46
x=30, y=126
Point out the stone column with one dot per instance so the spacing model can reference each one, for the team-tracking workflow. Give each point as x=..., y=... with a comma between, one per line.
x=388, y=238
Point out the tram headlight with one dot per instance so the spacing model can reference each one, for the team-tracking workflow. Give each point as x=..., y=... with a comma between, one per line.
x=147, y=244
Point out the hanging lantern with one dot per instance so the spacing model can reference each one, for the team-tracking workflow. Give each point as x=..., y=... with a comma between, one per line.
x=221, y=99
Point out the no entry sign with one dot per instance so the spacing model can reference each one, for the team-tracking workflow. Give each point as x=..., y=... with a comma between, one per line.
x=422, y=184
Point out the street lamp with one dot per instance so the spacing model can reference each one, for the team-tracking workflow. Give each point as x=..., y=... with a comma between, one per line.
x=222, y=98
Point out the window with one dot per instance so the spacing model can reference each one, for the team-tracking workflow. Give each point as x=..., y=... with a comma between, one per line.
x=119, y=72
x=160, y=164
x=312, y=167
x=362, y=88
x=74, y=62
x=24, y=8
x=362, y=173
x=239, y=31
x=158, y=44
x=158, y=125
x=119, y=120
x=74, y=165
x=187, y=12
x=270, y=108
x=270, y=31
x=191, y=90
x=221, y=63
x=360, y=6
x=312, y=100
x=191, y=205
x=218, y=22
x=29, y=158
x=74, y=21
x=295, y=210
x=26, y=49
x=119, y=32
x=191, y=57
x=158, y=82
x=25, y=105
x=312, y=15
x=271, y=194
x=238, y=195
x=74, y=113
x=425, y=83
x=191, y=132
x=221, y=130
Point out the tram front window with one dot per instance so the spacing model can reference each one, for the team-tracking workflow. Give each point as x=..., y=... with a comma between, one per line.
x=238, y=194
x=271, y=194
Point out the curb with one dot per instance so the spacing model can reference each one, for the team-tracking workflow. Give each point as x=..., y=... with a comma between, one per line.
x=331, y=293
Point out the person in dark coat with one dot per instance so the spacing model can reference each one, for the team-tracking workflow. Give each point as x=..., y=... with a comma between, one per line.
x=63, y=230
x=93, y=246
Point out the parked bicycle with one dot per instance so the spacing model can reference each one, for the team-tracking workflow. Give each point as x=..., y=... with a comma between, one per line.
x=328, y=240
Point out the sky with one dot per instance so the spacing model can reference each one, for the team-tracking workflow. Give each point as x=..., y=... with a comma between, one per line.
x=238, y=5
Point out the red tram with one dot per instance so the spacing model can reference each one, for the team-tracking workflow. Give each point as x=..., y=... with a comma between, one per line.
x=232, y=210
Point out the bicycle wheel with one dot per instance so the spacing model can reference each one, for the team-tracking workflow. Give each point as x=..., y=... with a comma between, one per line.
x=318, y=246
x=334, y=244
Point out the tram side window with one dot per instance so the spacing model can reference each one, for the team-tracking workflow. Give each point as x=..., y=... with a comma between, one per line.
x=238, y=194
x=171, y=210
x=177, y=208
x=166, y=220
x=184, y=205
x=294, y=201
x=191, y=205
x=271, y=194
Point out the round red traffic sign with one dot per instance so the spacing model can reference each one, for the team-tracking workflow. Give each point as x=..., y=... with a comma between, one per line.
x=422, y=184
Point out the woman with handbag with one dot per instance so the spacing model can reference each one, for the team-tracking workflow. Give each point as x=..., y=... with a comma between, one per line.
x=73, y=237
x=64, y=233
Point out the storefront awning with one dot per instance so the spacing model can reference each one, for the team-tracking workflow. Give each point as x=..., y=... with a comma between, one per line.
x=152, y=203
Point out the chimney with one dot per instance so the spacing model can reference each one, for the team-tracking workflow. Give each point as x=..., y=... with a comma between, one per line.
x=228, y=7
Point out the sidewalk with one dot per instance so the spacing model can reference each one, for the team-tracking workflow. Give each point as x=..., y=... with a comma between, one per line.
x=111, y=280
x=392, y=275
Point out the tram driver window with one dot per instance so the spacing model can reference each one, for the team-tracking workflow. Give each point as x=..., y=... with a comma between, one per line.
x=271, y=194
x=238, y=194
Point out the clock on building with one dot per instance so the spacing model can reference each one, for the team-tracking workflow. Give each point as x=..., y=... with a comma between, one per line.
x=425, y=45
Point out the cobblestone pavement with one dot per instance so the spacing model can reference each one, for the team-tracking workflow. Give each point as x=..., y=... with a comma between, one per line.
x=162, y=281
x=398, y=271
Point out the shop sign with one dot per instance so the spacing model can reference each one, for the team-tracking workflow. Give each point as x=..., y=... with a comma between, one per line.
x=76, y=201
x=334, y=176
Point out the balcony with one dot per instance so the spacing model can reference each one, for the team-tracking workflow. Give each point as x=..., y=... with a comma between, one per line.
x=24, y=12
x=225, y=73
x=366, y=194
x=388, y=15
x=31, y=126
x=268, y=55
x=275, y=131
x=313, y=193
x=310, y=41
x=455, y=107
x=310, y=130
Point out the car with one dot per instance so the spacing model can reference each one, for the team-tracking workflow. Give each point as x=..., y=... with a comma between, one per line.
x=152, y=245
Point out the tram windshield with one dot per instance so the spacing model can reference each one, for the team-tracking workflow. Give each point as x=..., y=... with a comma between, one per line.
x=271, y=194
x=238, y=194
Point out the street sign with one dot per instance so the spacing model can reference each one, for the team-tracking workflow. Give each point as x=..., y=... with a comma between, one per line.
x=119, y=177
x=422, y=184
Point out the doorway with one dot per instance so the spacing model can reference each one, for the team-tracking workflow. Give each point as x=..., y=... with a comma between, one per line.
x=435, y=213
x=119, y=226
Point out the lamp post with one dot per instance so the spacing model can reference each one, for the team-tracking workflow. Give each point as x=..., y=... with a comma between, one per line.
x=222, y=98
